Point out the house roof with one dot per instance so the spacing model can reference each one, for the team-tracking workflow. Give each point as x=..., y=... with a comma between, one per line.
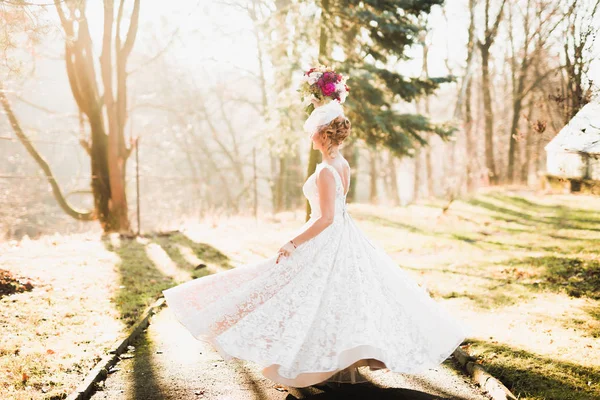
x=582, y=133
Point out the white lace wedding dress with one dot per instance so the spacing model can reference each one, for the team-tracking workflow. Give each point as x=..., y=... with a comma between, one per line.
x=336, y=303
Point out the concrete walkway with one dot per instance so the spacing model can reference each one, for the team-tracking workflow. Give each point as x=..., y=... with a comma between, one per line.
x=168, y=363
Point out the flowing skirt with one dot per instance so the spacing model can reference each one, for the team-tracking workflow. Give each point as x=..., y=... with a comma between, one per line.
x=336, y=303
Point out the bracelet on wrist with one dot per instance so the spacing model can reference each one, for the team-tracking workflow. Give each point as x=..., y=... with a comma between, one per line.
x=293, y=244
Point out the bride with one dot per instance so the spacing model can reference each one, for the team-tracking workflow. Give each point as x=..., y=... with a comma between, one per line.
x=329, y=301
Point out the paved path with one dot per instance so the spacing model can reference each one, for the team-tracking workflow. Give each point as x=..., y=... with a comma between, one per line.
x=168, y=363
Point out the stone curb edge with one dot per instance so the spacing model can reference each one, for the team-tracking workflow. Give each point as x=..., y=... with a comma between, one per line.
x=87, y=388
x=492, y=386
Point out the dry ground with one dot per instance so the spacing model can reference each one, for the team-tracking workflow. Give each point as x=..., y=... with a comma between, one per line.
x=521, y=270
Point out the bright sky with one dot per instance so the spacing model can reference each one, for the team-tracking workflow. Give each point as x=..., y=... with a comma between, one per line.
x=224, y=34
x=212, y=34
x=206, y=31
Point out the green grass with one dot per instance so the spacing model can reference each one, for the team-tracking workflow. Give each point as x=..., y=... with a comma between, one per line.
x=533, y=377
x=521, y=264
x=509, y=258
x=141, y=282
x=575, y=276
x=170, y=243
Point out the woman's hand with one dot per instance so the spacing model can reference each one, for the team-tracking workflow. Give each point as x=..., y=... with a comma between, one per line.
x=285, y=251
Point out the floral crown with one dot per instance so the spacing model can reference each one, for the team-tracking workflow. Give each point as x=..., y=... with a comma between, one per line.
x=322, y=83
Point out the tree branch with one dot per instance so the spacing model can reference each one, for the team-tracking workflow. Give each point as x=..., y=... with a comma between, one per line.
x=132, y=32
x=62, y=202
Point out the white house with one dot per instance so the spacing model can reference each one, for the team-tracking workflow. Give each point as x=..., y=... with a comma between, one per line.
x=575, y=152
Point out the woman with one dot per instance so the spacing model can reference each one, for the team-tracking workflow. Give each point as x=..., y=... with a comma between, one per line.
x=329, y=301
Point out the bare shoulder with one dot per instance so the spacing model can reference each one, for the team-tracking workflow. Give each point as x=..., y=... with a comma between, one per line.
x=325, y=172
x=325, y=178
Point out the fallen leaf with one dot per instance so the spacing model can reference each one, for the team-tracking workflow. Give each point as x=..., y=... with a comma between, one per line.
x=24, y=377
x=50, y=351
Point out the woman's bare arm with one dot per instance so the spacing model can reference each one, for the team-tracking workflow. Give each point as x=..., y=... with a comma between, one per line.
x=326, y=186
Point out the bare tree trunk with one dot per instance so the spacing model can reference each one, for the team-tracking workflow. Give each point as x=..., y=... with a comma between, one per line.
x=61, y=200
x=273, y=181
x=294, y=182
x=528, y=144
x=468, y=89
x=518, y=89
x=580, y=35
x=280, y=185
x=417, y=179
x=395, y=193
x=429, y=167
x=350, y=153
x=108, y=150
x=470, y=150
x=488, y=116
x=513, y=144
x=373, y=175
x=484, y=47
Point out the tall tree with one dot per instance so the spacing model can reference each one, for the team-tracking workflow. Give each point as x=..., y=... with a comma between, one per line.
x=373, y=36
x=489, y=36
x=539, y=22
x=580, y=33
x=465, y=95
x=105, y=108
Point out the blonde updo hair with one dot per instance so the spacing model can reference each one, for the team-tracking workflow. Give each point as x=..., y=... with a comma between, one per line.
x=335, y=132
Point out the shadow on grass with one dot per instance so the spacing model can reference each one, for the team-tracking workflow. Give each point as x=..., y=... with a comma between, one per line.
x=533, y=376
x=540, y=220
x=413, y=229
x=141, y=283
x=574, y=276
x=145, y=382
x=390, y=223
x=587, y=216
x=491, y=299
x=484, y=240
x=577, y=277
x=172, y=244
x=562, y=217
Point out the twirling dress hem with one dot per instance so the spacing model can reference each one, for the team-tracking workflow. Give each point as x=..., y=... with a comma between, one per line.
x=346, y=358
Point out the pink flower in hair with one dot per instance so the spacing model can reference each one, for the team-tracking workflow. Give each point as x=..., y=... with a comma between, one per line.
x=328, y=88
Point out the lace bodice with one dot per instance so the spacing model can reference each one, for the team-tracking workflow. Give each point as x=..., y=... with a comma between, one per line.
x=311, y=192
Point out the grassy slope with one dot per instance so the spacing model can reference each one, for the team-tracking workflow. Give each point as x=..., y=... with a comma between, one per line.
x=520, y=270
x=523, y=273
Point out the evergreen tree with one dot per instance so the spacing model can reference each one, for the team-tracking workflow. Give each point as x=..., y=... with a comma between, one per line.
x=374, y=35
